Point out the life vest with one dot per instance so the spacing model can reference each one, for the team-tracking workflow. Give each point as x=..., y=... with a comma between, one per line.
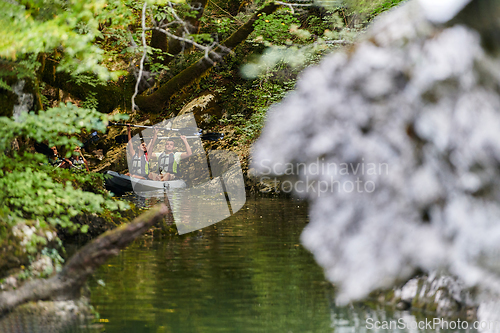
x=167, y=163
x=55, y=162
x=140, y=165
x=78, y=163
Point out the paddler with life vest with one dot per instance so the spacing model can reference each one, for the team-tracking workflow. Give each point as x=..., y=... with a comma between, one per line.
x=168, y=161
x=139, y=156
x=57, y=161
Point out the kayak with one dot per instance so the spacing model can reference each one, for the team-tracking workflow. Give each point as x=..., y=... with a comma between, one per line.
x=120, y=184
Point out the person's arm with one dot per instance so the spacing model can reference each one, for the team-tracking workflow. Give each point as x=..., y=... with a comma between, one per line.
x=188, y=151
x=153, y=141
x=65, y=164
x=83, y=159
x=130, y=145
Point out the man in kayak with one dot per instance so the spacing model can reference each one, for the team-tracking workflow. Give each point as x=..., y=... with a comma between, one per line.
x=168, y=161
x=138, y=155
x=58, y=162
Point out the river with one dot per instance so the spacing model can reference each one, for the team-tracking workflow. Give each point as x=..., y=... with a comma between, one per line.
x=248, y=273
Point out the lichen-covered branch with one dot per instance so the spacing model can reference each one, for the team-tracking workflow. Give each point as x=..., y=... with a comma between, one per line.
x=155, y=102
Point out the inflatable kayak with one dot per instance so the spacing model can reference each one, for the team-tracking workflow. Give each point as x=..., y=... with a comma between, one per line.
x=120, y=184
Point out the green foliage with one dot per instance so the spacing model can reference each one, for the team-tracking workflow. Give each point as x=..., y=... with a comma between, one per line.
x=32, y=189
x=39, y=27
x=50, y=261
x=47, y=125
x=21, y=69
x=265, y=91
x=273, y=56
x=317, y=25
x=4, y=85
x=364, y=8
x=294, y=44
x=224, y=25
x=202, y=38
x=91, y=101
x=274, y=28
x=158, y=67
x=65, y=29
x=371, y=8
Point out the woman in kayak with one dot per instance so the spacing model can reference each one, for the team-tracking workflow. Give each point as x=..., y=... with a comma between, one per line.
x=138, y=157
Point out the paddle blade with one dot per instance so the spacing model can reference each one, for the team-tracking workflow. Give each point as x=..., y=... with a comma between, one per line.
x=43, y=149
x=212, y=136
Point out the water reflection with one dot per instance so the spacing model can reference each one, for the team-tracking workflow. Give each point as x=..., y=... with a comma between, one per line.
x=248, y=273
x=212, y=198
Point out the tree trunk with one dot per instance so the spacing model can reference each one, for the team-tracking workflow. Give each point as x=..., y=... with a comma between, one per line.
x=155, y=102
x=67, y=284
x=109, y=95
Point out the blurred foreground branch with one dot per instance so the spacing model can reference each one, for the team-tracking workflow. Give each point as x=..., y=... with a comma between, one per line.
x=67, y=284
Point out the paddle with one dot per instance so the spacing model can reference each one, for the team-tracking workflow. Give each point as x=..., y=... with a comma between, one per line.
x=187, y=130
x=208, y=136
x=42, y=148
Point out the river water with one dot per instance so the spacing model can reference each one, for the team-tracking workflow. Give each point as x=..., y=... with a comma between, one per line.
x=248, y=273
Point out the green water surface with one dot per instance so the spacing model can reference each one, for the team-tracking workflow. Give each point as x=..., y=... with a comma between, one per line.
x=248, y=273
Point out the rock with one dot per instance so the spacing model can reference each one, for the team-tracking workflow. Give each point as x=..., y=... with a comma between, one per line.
x=23, y=238
x=442, y=11
x=60, y=316
x=204, y=109
x=441, y=295
x=488, y=315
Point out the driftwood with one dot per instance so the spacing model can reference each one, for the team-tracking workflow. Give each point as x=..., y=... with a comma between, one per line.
x=67, y=284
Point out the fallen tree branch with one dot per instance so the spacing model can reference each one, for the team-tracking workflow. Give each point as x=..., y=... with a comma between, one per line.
x=67, y=284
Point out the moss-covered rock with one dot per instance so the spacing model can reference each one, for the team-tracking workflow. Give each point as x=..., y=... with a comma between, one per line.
x=438, y=295
x=19, y=242
x=58, y=316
